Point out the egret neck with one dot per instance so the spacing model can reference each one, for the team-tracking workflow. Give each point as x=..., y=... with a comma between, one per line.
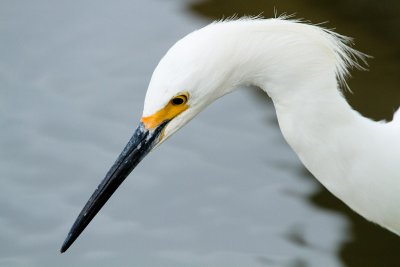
x=301, y=68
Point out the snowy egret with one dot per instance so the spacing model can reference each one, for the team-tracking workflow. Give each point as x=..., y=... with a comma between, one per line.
x=301, y=67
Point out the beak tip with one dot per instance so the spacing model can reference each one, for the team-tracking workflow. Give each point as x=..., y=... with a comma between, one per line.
x=64, y=247
x=137, y=148
x=67, y=243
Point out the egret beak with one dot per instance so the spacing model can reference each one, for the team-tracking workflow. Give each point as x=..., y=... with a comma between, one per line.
x=141, y=143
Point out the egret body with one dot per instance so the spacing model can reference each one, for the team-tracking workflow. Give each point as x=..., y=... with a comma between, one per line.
x=301, y=67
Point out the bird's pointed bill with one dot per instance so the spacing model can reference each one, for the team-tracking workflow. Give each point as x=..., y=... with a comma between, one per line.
x=141, y=143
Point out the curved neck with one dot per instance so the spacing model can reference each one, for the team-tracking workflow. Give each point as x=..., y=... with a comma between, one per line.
x=313, y=115
x=319, y=125
x=299, y=66
x=335, y=143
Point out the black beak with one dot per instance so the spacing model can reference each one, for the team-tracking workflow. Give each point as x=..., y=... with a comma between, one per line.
x=137, y=148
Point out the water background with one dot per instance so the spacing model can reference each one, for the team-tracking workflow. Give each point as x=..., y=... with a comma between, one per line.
x=224, y=191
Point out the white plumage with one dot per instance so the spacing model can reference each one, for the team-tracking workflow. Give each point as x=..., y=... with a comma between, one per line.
x=301, y=67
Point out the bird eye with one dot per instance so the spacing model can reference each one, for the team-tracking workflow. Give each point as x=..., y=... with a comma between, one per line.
x=179, y=100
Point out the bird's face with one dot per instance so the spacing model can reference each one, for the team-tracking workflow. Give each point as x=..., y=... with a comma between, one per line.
x=177, y=92
x=183, y=84
x=171, y=109
x=171, y=115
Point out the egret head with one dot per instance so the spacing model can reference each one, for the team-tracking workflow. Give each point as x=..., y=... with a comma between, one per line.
x=189, y=77
x=184, y=82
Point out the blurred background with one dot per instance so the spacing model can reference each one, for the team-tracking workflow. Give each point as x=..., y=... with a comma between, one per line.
x=73, y=76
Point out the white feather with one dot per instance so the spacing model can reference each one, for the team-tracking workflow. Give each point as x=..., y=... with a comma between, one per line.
x=301, y=66
x=396, y=117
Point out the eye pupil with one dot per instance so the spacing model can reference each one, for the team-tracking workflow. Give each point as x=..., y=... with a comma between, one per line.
x=178, y=100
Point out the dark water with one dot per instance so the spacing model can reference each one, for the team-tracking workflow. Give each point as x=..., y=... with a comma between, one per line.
x=72, y=81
